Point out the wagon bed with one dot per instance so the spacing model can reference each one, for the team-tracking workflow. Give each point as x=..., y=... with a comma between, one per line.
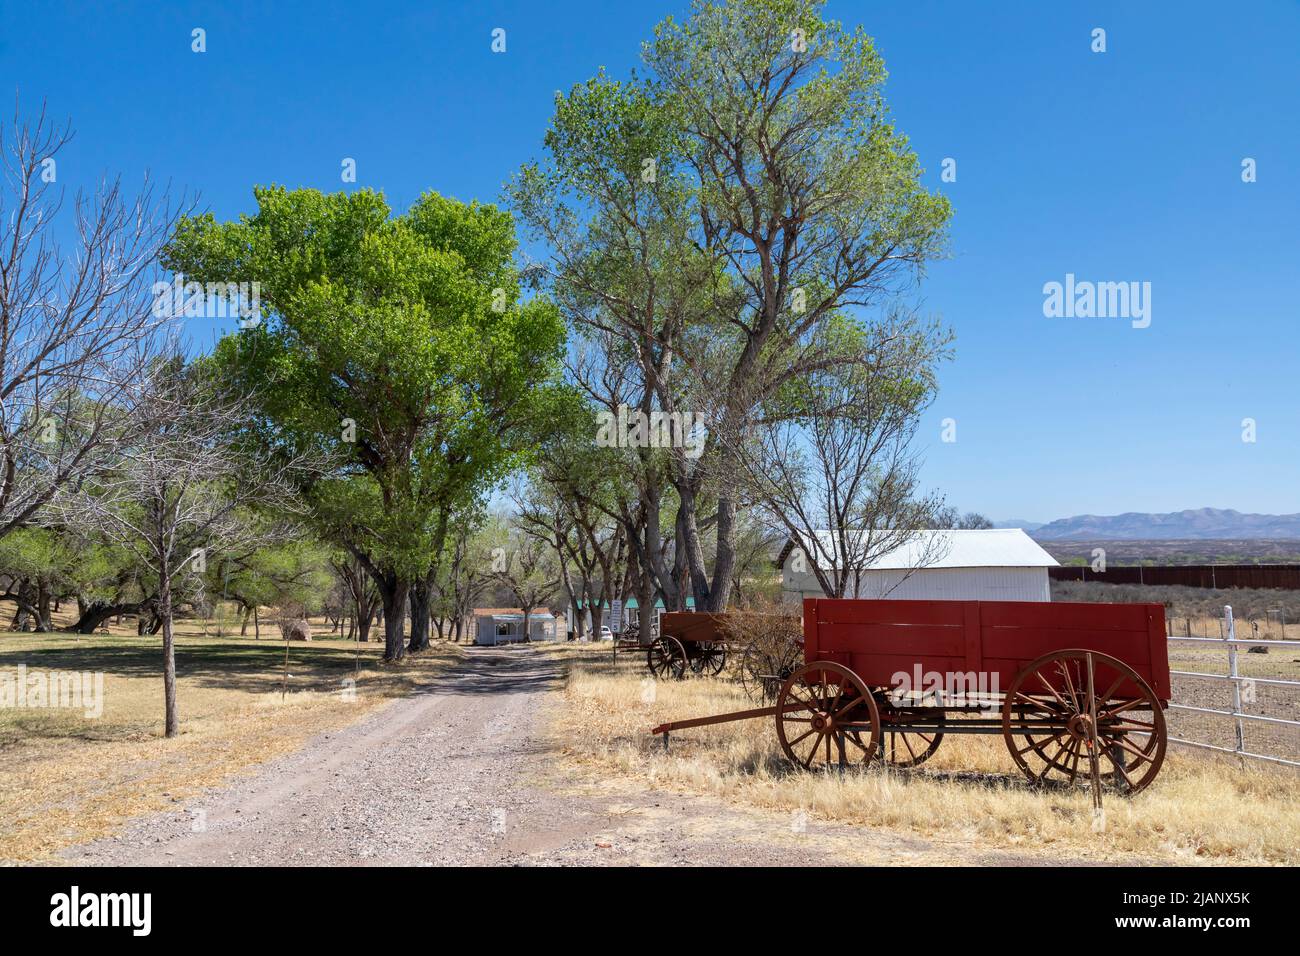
x=877, y=639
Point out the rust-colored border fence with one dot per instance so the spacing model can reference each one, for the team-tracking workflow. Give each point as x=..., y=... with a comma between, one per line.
x=1242, y=698
x=1281, y=576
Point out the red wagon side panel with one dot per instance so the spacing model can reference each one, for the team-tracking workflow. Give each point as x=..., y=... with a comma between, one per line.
x=879, y=639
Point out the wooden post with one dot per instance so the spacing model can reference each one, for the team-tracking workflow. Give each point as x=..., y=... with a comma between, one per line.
x=284, y=683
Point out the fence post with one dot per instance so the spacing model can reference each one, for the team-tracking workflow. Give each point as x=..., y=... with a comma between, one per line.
x=1236, y=678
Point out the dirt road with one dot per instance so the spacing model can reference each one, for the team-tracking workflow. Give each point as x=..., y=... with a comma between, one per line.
x=461, y=775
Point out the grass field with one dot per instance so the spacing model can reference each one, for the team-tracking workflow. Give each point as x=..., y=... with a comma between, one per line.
x=69, y=778
x=1200, y=809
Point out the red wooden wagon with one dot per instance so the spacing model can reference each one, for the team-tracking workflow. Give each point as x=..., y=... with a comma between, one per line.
x=1078, y=691
x=700, y=642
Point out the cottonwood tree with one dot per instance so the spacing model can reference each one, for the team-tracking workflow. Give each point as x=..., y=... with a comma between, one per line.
x=464, y=577
x=77, y=319
x=571, y=500
x=835, y=469
x=710, y=219
x=615, y=216
x=396, y=346
x=174, y=497
x=808, y=195
x=361, y=593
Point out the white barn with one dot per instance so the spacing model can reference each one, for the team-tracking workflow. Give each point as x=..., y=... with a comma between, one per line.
x=1002, y=564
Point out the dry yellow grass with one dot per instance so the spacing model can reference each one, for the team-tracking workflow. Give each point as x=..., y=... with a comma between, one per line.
x=69, y=779
x=1200, y=808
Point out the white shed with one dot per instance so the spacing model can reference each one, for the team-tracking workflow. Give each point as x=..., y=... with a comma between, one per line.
x=1002, y=564
x=505, y=625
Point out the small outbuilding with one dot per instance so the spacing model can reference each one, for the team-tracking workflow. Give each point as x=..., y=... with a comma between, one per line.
x=1002, y=564
x=505, y=625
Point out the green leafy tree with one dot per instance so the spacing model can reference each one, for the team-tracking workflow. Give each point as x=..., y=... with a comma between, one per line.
x=399, y=347
x=706, y=222
x=295, y=573
x=35, y=564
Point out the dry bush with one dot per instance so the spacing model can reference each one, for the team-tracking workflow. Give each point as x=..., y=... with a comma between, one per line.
x=770, y=624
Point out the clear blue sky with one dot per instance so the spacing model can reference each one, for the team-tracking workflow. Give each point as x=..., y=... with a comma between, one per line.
x=1115, y=166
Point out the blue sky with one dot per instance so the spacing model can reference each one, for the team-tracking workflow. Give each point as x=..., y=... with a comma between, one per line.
x=1115, y=166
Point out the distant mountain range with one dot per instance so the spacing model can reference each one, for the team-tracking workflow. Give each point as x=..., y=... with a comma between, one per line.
x=1197, y=523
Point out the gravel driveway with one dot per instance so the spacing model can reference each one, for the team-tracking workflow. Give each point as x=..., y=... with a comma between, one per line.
x=461, y=774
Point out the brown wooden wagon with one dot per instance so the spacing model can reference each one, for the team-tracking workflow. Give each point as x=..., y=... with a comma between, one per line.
x=1077, y=691
x=689, y=641
x=693, y=642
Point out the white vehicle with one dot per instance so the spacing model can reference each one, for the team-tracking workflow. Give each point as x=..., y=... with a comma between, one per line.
x=605, y=633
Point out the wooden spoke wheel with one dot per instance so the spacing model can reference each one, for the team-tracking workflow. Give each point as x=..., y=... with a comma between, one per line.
x=909, y=748
x=1061, y=732
x=825, y=718
x=764, y=667
x=666, y=658
x=710, y=659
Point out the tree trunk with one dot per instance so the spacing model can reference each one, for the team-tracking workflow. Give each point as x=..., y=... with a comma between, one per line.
x=394, y=591
x=97, y=612
x=28, y=596
x=688, y=554
x=169, y=653
x=419, y=617
x=579, y=620
x=645, y=600
x=257, y=625
x=243, y=625
x=725, y=560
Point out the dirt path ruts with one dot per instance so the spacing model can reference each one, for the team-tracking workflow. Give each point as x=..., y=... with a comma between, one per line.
x=450, y=777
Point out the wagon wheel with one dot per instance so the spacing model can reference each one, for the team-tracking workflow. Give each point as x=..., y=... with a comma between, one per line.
x=909, y=748
x=1130, y=728
x=711, y=659
x=763, y=669
x=823, y=712
x=666, y=658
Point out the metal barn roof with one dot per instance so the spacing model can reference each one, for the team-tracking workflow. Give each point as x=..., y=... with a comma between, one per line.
x=991, y=548
x=510, y=612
